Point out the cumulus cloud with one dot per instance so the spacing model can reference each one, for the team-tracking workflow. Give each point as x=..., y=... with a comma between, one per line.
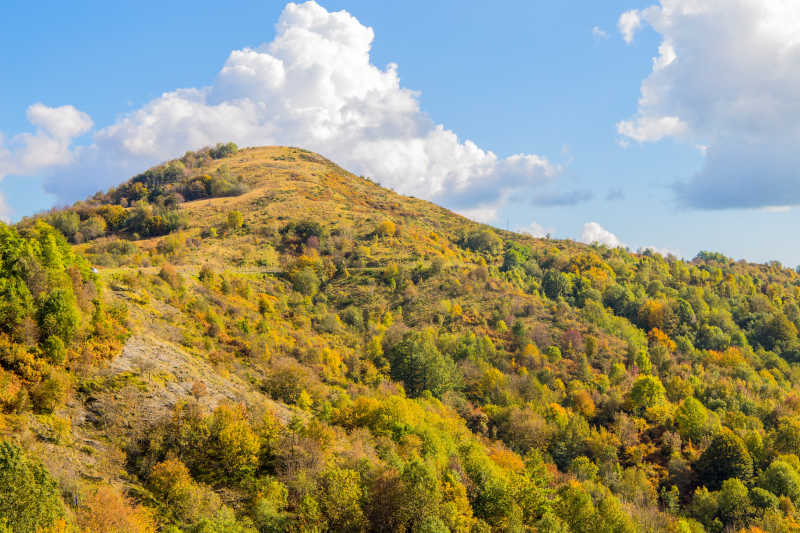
x=666, y=252
x=593, y=232
x=628, y=24
x=644, y=128
x=313, y=86
x=726, y=78
x=49, y=146
x=534, y=229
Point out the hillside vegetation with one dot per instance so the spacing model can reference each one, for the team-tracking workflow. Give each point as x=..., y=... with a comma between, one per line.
x=258, y=341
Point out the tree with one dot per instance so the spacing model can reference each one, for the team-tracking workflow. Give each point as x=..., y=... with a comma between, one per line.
x=555, y=284
x=726, y=457
x=647, y=391
x=418, y=363
x=29, y=498
x=692, y=419
x=58, y=314
x=109, y=510
x=483, y=241
x=733, y=502
x=782, y=480
x=339, y=497
x=54, y=350
x=222, y=150
x=305, y=281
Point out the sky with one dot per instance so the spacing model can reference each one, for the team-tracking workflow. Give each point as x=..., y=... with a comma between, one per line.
x=670, y=125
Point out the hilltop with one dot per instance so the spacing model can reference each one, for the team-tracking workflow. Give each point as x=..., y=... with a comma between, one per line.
x=259, y=340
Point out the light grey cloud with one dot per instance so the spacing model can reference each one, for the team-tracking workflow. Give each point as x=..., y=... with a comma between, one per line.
x=725, y=79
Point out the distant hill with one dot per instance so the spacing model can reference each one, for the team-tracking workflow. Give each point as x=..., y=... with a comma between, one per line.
x=258, y=340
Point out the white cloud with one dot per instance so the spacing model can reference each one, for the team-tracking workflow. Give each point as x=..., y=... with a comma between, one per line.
x=644, y=128
x=726, y=77
x=534, y=229
x=599, y=33
x=628, y=24
x=312, y=86
x=666, y=252
x=593, y=232
x=49, y=145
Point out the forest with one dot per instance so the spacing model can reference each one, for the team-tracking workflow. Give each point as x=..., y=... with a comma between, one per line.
x=256, y=340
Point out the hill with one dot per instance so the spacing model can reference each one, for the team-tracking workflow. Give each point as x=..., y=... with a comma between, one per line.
x=258, y=340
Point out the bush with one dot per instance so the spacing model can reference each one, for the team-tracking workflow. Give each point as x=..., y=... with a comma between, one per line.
x=386, y=228
x=306, y=282
x=483, y=241
x=50, y=393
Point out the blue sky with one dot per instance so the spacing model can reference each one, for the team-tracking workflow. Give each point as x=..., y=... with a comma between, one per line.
x=528, y=77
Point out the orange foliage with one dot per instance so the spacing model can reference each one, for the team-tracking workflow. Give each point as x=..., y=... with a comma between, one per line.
x=731, y=358
x=656, y=336
x=108, y=510
x=505, y=458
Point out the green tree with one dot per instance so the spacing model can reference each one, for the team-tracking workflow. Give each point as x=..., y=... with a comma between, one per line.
x=222, y=150
x=483, y=241
x=339, y=496
x=781, y=479
x=733, y=502
x=555, y=284
x=692, y=419
x=726, y=457
x=29, y=498
x=59, y=315
x=418, y=363
x=305, y=281
x=647, y=391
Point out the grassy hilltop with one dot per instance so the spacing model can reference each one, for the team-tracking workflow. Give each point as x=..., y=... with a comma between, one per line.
x=257, y=340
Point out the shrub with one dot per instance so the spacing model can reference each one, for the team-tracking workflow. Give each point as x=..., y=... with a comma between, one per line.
x=305, y=281
x=386, y=228
x=483, y=241
x=50, y=393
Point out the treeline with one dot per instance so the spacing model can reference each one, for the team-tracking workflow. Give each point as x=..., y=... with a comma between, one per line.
x=147, y=205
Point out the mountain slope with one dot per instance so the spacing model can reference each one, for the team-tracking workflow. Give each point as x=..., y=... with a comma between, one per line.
x=259, y=340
